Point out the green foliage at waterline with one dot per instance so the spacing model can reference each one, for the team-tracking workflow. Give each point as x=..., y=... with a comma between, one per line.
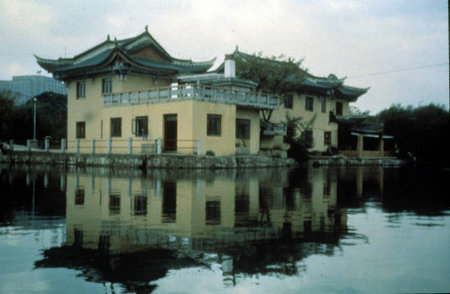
x=421, y=133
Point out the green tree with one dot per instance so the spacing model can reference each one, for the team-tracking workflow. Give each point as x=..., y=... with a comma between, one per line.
x=298, y=136
x=6, y=115
x=276, y=74
x=422, y=132
x=17, y=120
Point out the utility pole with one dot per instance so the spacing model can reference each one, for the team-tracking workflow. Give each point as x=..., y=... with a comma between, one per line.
x=34, y=119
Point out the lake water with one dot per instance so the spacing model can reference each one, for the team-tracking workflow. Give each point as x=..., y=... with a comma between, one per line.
x=320, y=230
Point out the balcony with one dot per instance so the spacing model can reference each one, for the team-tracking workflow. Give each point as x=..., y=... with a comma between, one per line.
x=192, y=92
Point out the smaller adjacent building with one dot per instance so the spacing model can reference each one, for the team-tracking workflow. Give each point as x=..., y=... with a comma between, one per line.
x=358, y=138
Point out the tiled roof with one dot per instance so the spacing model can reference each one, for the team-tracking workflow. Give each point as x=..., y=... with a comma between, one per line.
x=102, y=56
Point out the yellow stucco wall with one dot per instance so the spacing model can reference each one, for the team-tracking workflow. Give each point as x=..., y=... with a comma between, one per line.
x=129, y=231
x=191, y=119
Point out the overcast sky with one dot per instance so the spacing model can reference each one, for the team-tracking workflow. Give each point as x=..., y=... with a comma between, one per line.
x=399, y=48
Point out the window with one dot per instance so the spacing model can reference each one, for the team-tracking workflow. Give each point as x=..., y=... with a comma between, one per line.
x=141, y=126
x=288, y=101
x=323, y=103
x=107, y=86
x=339, y=108
x=307, y=137
x=327, y=138
x=140, y=205
x=114, y=204
x=81, y=90
x=116, y=127
x=80, y=130
x=213, y=212
x=309, y=103
x=242, y=129
x=79, y=196
x=169, y=202
x=213, y=127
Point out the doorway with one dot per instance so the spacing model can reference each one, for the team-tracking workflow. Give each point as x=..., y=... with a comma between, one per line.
x=170, y=132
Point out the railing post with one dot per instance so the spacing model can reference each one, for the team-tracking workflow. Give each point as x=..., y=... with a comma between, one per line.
x=199, y=147
x=28, y=145
x=11, y=145
x=109, y=146
x=93, y=146
x=77, y=146
x=130, y=145
x=159, y=145
x=47, y=144
x=63, y=145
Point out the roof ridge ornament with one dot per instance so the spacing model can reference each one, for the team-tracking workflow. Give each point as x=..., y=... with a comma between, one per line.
x=107, y=37
x=146, y=28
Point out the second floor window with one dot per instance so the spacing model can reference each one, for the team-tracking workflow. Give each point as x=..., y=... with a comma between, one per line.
x=107, y=86
x=116, y=127
x=213, y=125
x=80, y=130
x=309, y=103
x=288, y=101
x=81, y=90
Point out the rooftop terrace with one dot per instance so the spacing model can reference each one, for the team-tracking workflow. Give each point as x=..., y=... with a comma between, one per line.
x=192, y=92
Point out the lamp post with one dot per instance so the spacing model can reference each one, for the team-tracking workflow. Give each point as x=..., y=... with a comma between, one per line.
x=34, y=119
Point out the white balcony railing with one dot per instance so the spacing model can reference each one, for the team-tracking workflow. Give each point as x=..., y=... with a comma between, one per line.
x=192, y=92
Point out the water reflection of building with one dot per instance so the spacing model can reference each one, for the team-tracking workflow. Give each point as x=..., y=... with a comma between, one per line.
x=124, y=214
x=249, y=222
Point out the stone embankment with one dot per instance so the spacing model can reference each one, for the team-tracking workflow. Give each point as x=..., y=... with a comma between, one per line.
x=151, y=161
x=338, y=160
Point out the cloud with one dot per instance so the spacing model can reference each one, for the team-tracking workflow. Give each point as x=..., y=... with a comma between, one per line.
x=348, y=38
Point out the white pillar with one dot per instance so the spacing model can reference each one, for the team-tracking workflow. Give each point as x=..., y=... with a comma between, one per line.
x=63, y=145
x=130, y=145
x=47, y=144
x=109, y=145
x=77, y=145
x=159, y=145
x=93, y=146
x=230, y=66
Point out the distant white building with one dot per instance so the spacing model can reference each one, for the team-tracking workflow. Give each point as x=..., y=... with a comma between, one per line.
x=27, y=87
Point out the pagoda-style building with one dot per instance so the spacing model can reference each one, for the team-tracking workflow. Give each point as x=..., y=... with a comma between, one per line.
x=132, y=96
x=141, y=54
x=317, y=100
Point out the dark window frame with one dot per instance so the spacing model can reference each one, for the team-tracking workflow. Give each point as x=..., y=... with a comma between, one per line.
x=243, y=128
x=327, y=138
x=107, y=86
x=141, y=126
x=289, y=101
x=214, y=125
x=81, y=90
x=116, y=127
x=80, y=130
x=309, y=103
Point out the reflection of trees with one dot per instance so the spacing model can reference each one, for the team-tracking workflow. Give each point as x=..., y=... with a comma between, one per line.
x=424, y=192
x=135, y=271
